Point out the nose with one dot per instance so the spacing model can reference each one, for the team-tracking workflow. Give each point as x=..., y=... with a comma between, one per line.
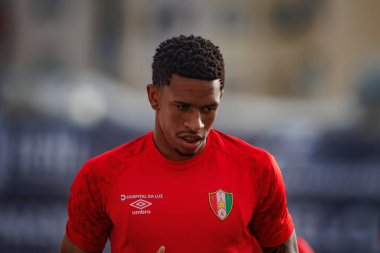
x=194, y=121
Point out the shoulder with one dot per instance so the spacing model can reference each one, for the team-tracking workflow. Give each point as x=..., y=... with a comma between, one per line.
x=123, y=153
x=258, y=164
x=241, y=150
x=104, y=168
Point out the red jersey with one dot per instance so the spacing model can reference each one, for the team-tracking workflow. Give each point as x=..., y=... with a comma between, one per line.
x=228, y=198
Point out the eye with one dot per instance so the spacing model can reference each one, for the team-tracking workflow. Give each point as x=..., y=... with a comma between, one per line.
x=182, y=107
x=208, y=109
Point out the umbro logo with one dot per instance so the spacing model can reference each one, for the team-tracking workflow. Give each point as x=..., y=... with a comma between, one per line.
x=140, y=204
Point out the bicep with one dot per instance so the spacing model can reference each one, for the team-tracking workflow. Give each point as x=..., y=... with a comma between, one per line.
x=68, y=247
x=88, y=224
x=271, y=222
x=290, y=246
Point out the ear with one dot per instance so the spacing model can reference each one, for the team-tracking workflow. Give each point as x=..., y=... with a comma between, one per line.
x=153, y=96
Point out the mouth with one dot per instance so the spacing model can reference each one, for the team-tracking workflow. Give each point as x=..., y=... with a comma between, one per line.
x=191, y=142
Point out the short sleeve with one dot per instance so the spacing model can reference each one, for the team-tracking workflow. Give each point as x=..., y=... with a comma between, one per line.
x=88, y=225
x=272, y=224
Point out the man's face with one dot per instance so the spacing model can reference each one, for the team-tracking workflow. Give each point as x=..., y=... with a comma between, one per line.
x=185, y=112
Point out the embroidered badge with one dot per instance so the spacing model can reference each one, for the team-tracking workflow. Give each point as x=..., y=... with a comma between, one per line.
x=221, y=203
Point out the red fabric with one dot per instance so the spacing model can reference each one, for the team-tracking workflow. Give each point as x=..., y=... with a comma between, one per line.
x=140, y=200
x=303, y=246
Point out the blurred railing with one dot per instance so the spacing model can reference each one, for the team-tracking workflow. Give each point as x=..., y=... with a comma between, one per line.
x=335, y=207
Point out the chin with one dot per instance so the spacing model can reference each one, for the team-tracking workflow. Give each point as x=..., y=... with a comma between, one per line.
x=186, y=153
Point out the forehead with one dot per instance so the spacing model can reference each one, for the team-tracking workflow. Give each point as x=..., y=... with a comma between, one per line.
x=188, y=89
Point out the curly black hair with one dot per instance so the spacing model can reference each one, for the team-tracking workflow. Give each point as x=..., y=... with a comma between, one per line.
x=187, y=56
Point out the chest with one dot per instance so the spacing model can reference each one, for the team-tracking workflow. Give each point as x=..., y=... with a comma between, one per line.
x=209, y=205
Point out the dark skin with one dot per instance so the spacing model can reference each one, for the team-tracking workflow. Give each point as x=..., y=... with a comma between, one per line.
x=290, y=246
x=185, y=112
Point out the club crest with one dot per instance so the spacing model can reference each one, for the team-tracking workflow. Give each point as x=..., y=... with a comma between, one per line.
x=221, y=203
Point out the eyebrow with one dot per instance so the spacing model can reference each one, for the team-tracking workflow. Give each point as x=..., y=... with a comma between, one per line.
x=188, y=104
x=182, y=103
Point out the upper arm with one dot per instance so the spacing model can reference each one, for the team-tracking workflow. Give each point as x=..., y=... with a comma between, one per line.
x=271, y=223
x=88, y=224
x=68, y=247
x=290, y=246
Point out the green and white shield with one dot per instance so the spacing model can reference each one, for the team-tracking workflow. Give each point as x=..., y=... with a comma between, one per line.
x=221, y=203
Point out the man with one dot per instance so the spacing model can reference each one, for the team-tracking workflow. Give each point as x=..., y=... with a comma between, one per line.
x=184, y=187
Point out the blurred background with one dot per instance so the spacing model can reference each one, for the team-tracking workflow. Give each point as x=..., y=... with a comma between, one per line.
x=302, y=81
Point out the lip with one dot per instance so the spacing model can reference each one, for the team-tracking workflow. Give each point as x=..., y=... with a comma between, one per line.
x=191, y=142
